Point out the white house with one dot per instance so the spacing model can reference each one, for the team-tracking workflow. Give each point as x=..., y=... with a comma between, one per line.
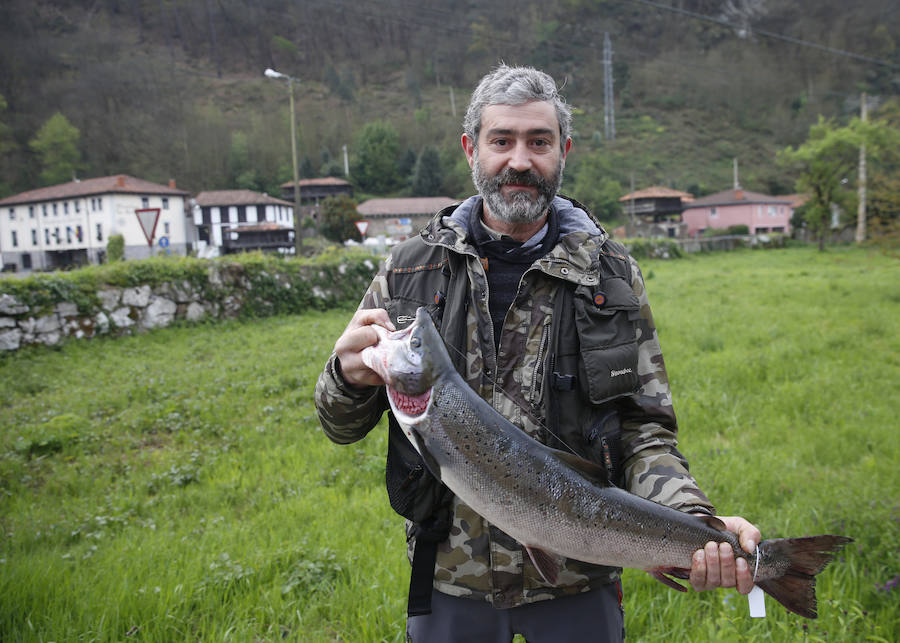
x=218, y=211
x=70, y=224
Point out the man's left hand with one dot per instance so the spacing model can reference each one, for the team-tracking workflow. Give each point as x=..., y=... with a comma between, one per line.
x=715, y=565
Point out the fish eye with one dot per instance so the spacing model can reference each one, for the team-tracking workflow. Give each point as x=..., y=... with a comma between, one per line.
x=415, y=341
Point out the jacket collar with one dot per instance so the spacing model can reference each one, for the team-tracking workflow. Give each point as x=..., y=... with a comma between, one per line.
x=572, y=258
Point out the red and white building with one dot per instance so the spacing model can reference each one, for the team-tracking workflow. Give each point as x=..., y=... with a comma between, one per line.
x=761, y=213
x=71, y=223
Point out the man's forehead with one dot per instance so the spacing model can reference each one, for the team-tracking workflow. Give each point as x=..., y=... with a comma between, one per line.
x=533, y=116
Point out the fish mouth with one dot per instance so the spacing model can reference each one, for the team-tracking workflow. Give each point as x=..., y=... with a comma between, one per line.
x=409, y=409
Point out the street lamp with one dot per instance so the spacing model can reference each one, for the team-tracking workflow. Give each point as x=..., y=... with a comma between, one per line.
x=298, y=232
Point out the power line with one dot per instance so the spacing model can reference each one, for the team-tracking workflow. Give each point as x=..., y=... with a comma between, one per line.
x=771, y=34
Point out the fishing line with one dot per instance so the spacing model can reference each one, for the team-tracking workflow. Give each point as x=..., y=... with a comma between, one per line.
x=527, y=411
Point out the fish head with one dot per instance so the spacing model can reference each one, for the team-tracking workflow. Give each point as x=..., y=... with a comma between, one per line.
x=409, y=361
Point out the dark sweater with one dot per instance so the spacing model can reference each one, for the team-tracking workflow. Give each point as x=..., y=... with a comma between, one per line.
x=506, y=262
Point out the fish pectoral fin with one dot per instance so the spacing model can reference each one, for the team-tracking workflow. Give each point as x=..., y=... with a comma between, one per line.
x=664, y=577
x=430, y=463
x=547, y=564
x=590, y=470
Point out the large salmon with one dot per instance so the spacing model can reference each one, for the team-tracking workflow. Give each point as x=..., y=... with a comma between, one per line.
x=555, y=503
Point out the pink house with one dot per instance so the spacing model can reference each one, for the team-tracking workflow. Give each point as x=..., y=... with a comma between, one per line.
x=759, y=212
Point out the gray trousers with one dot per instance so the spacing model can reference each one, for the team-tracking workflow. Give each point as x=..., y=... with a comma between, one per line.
x=591, y=616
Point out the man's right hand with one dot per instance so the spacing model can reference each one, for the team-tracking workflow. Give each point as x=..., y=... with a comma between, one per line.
x=358, y=335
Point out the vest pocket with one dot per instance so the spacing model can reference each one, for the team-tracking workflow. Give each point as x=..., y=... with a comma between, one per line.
x=608, y=341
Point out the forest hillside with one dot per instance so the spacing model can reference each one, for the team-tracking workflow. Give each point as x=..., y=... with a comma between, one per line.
x=166, y=89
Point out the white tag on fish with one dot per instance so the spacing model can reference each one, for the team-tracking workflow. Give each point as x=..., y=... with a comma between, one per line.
x=757, y=600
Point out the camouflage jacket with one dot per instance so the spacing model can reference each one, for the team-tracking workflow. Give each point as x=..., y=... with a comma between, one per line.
x=478, y=560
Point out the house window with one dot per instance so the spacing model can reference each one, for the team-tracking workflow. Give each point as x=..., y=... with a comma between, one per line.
x=77, y=206
x=773, y=211
x=68, y=234
x=55, y=211
x=145, y=202
x=26, y=261
x=30, y=211
x=713, y=213
x=94, y=205
x=44, y=209
x=15, y=239
x=99, y=203
x=99, y=232
x=66, y=207
x=166, y=227
x=165, y=204
x=79, y=233
x=46, y=236
x=34, y=237
x=12, y=214
x=56, y=234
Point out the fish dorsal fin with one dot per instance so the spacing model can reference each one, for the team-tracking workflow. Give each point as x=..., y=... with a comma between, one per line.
x=591, y=470
x=547, y=564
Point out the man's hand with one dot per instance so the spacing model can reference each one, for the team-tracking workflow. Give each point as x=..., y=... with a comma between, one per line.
x=358, y=335
x=715, y=565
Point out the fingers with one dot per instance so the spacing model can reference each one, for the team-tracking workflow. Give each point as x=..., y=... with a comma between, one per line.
x=716, y=564
x=748, y=535
x=362, y=331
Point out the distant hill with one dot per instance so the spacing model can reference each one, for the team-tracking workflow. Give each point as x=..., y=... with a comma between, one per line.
x=174, y=89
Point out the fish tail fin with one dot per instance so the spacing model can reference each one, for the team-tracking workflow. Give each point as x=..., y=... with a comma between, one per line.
x=796, y=589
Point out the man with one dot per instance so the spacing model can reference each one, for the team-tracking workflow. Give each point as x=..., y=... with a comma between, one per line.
x=550, y=323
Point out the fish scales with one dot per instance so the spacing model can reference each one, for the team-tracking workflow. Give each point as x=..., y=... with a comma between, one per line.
x=537, y=499
x=552, y=502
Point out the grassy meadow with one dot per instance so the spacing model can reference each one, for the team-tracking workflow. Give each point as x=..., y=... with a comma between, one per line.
x=176, y=486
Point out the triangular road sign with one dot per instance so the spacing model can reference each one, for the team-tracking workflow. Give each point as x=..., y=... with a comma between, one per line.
x=148, y=217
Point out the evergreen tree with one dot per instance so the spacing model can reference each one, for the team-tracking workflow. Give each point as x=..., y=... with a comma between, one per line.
x=427, y=177
x=377, y=150
x=56, y=146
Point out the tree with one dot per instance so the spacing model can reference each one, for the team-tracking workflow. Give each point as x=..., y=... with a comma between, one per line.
x=339, y=217
x=56, y=145
x=594, y=186
x=427, y=177
x=377, y=151
x=826, y=163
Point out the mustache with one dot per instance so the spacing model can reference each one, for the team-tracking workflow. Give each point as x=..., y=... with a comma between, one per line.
x=511, y=176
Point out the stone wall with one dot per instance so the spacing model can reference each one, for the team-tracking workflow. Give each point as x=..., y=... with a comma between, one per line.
x=223, y=290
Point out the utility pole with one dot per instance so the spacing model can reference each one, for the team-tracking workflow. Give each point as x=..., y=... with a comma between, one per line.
x=609, y=113
x=861, y=210
x=298, y=229
x=346, y=162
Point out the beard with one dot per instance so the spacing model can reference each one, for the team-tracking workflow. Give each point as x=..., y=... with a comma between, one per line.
x=520, y=207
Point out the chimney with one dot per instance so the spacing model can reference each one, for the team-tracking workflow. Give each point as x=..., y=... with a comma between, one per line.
x=172, y=183
x=120, y=181
x=738, y=195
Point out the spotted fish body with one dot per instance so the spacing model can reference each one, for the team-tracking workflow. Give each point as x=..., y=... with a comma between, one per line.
x=554, y=503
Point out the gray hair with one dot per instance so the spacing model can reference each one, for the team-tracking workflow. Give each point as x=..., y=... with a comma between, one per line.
x=515, y=86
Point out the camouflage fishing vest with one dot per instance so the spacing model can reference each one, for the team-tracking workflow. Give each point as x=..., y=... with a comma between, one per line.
x=587, y=359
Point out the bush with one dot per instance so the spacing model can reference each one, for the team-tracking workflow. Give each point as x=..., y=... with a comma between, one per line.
x=115, y=248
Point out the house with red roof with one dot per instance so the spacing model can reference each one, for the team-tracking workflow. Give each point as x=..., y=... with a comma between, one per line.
x=655, y=212
x=70, y=224
x=400, y=218
x=761, y=213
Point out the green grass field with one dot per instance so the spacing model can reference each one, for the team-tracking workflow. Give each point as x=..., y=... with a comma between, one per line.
x=176, y=486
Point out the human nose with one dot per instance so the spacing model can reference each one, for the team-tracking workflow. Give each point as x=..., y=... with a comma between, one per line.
x=519, y=158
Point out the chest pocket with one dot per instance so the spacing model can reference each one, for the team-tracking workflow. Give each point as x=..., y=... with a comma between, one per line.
x=605, y=320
